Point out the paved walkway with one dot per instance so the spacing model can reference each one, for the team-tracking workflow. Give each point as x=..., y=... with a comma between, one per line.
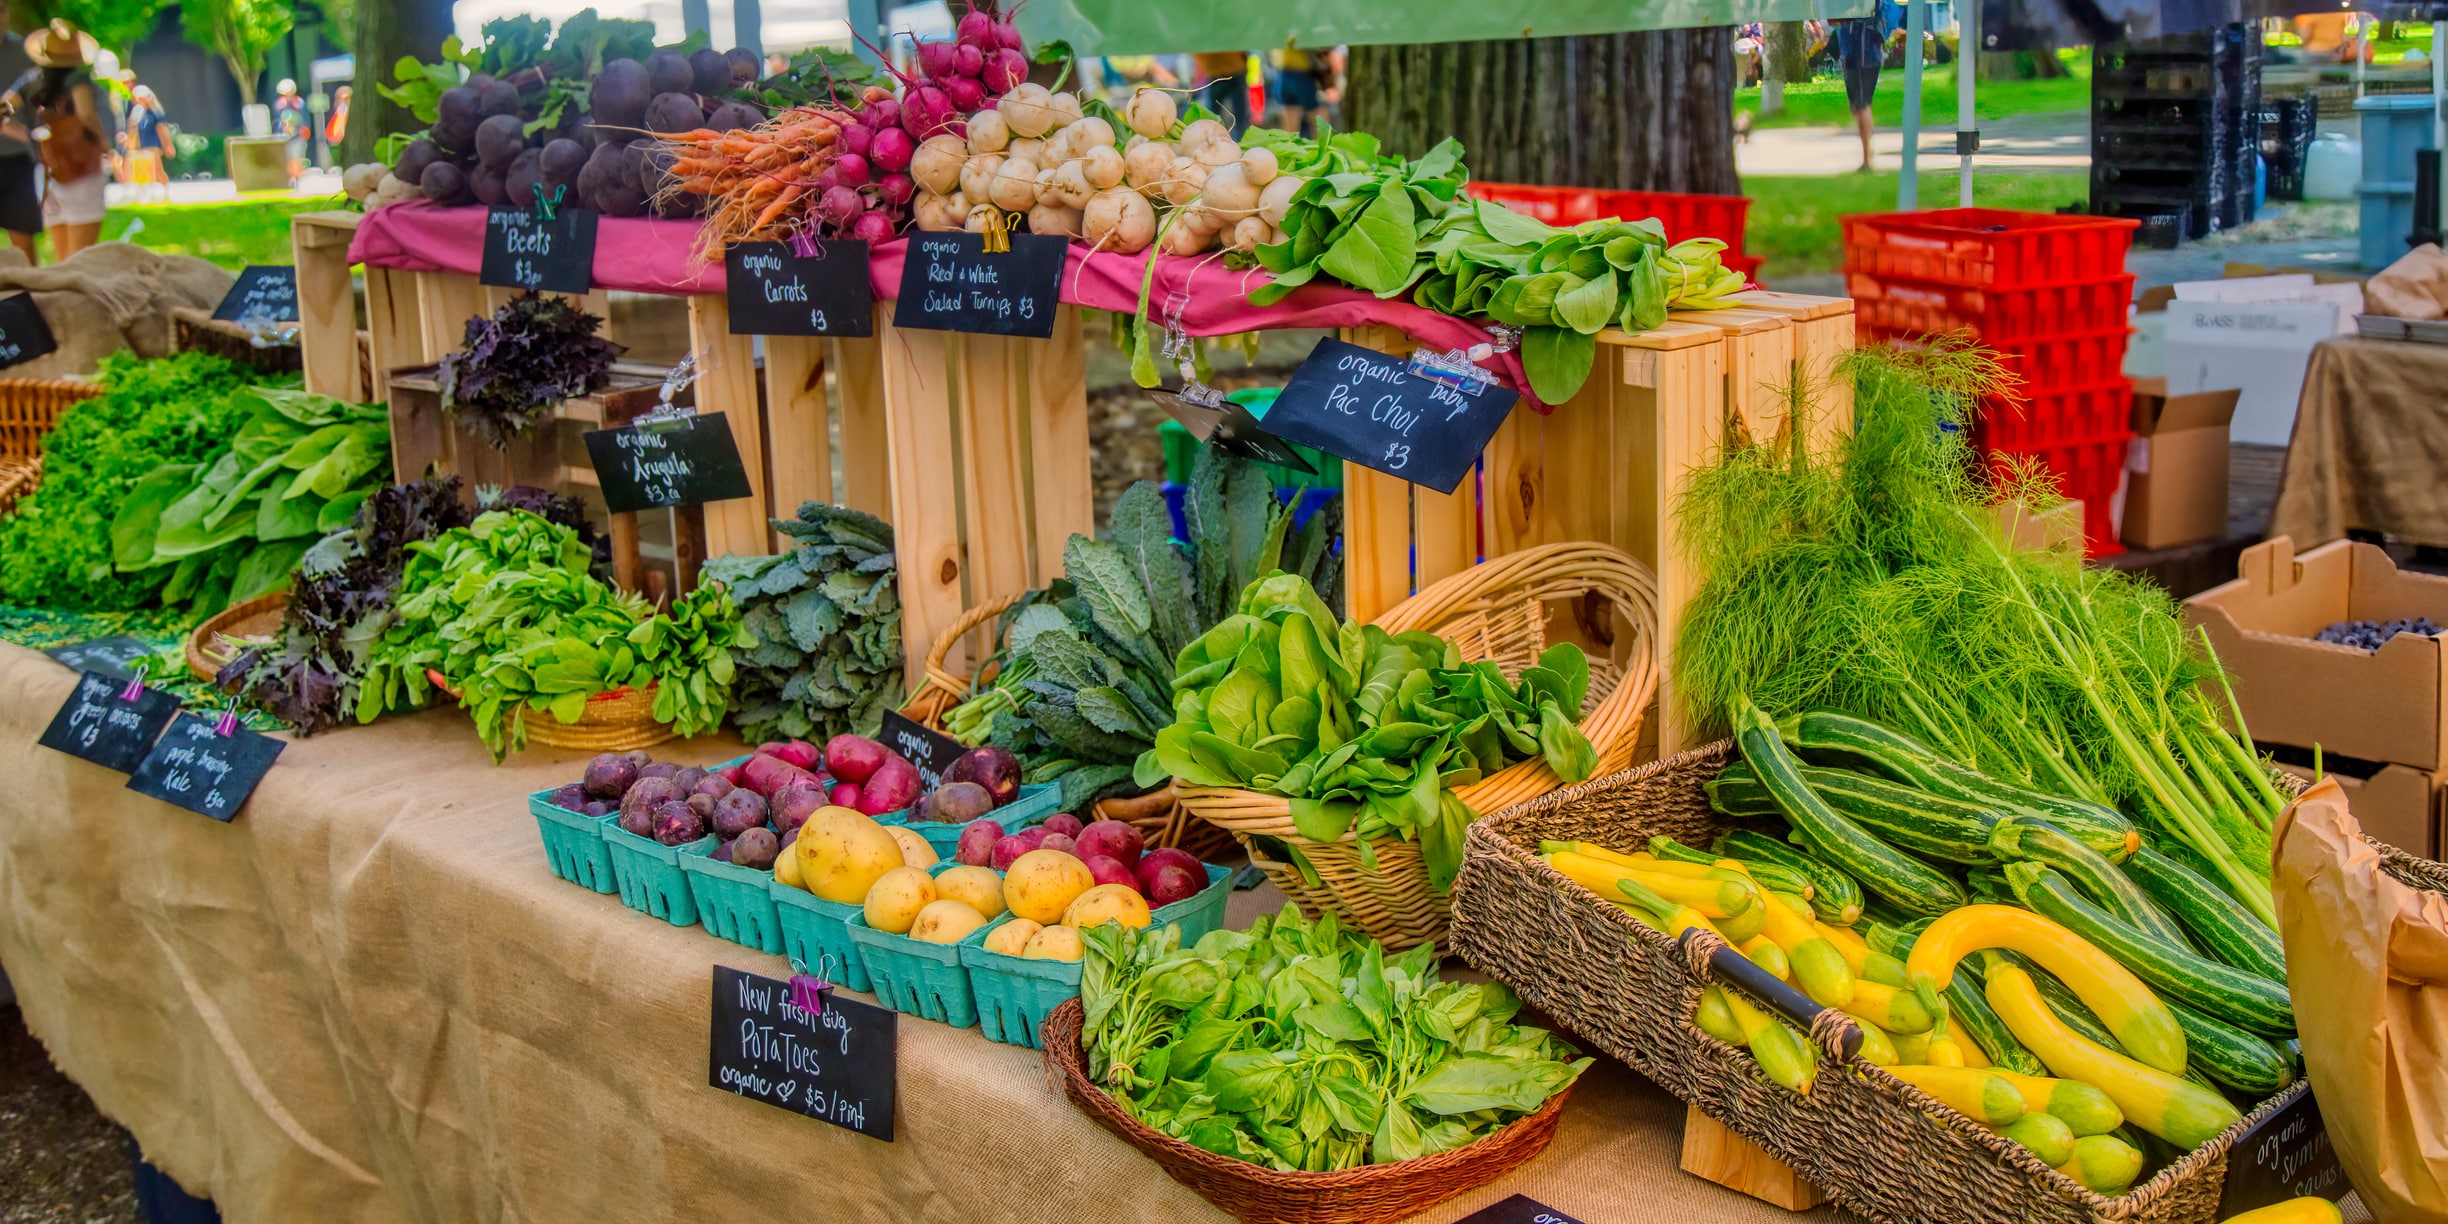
x=2055, y=141
x=314, y=185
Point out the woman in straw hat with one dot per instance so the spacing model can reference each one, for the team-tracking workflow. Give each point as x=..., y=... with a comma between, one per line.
x=69, y=131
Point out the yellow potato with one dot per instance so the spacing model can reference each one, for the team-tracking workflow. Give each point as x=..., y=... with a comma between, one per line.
x=1042, y=883
x=843, y=853
x=1060, y=943
x=946, y=922
x=787, y=868
x=979, y=887
x=914, y=849
x=1107, y=903
x=1012, y=936
x=897, y=896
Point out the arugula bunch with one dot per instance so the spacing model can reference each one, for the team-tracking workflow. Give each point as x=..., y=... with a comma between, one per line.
x=506, y=612
x=521, y=362
x=825, y=618
x=1359, y=727
x=1086, y=669
x=1298, y=1047
x=55, y=547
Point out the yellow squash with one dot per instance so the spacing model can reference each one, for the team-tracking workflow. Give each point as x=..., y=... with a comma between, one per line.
x=2103, y=1164
x=2083, y=1107
x=1819, y=968
x=2140, y=1022
x=1977, y=1095
x=2178, y=1110
x=1897, y=1011
x=2307, y=1210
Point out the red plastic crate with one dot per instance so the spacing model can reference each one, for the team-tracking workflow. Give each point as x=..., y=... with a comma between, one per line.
x=1991, y=248
x=1997, y=316
x=1684, y=216
x=2045, y=419
x=2092, y=471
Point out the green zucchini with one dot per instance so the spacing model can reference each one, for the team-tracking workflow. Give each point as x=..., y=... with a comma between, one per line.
x=1912, y=820
x=2224, y=929
x=1825, y=735
x=1970, y=1010
x=2240, y=997
x=2231, y=1056
x=1775, y=877
x=1880, y=909
x=2037, y=841
x=1834, y=897
x=1737, y=792
x=1895, y=938
x=1880, y=867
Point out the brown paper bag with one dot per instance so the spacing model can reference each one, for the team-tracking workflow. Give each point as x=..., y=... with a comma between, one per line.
x=2367, y=963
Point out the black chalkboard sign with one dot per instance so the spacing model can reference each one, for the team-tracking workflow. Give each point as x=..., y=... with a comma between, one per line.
x=2286, y=1155
x=950, y=282
x=100, y=726
x=834, y=1066
x=931, y=751
x=524, y=251
x=264, y=291
x=115, y=655
x=202, y=770
x=1369, y=407
x=774, y=291
x=675, y=461
x=1519, y=1209
x=23, y=334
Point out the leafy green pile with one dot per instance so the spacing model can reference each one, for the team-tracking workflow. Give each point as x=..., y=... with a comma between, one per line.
x=826, y=621
x=815, y=76
x=1087, y=667
x=1362, y=217
x=1879, y=583
x=1357, y=726
x=506, y=612
x=1295, y=1046
x=520, y=362
x=55, y=547
x=232, y=526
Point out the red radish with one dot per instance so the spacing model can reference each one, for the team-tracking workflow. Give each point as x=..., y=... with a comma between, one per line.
x=840, y=206
x=872, y=227
x=926, y=111
x=966, y=94
x=1064, y=823
x=854, y=758
x=798, y=752
x=882, y=114
x=1004, y=70
x=892, y=150
x=968, y=60
x=765, y=774
x=977, y=29
x=897, y=188
x=854, y=138
x=935, y=60
x=846, y=794
x=850, y=170
x=1110, y=871
x=1007, y=36
x=1114, y=839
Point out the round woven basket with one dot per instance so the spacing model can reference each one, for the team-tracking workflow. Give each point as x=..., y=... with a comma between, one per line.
x=211, y=644
x=618, y=721
x=29, y=408
x=1159, y=817
x=1499, y=610
x=1266, y=1196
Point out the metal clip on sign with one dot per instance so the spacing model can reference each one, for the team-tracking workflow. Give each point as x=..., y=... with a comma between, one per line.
x=683, y=373
x=548, y=207
x=227, y=724
x=807, y=990
x=1179, y=349
x=1454, y=368
x=803, y=243
x=1503, y=339
x=997, y=234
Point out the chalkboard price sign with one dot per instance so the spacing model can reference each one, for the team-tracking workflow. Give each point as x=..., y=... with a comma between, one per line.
x=950, y=282
x=1518, y=1209
x=834, y=1065
x=931, y=751
x=24, y=335
x=2286, y=1155
x=774, y=291
x=524, y=251
x=1369, y=407
x=675, y=461
x=196, y=767
x=115, y=655
x=264, y=292
x=101, y=726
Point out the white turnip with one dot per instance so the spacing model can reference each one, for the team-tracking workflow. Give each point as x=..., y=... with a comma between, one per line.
x=982, y=217
x=1014, y=186
x=1119, y=219
x=1068, y=105
x=1199, y=133
x=1089, y=133
x=1029, y=109
x=1276, y=199
x=1029, y=147
x=1184, y=180
x=1151, y=112
x=1071, y=185
x=1218, y=153
x=1258, y=166
x=988, y=133
x=1182, y=239
x=1247, y=234
x=937, y=164
x=1102, y=167
x=1050, y=218
x=978, y=173
x=929, y=212
x=1147, y=166
x=1229, y=192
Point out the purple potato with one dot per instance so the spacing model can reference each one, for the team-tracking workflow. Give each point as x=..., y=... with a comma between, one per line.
x=722, y=853
x=599, y=807
x=646, y=792
x=703, y=805
x=639, y=822
x=688, y=776
x=610, y=776
x=794, y=803
x=714, y=785
x=954, y=803
x=657, y=769
x=569, y=797
x=738, y=812
x=756, y=848
x=677, y=824
x=790, y=835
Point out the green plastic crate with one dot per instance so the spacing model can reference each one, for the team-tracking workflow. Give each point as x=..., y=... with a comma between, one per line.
x=1032, y=807
x=816, y=936
x=734, y=902
x=651, y=881
x=914, y=976
x=1014, y=994
x=573, y=844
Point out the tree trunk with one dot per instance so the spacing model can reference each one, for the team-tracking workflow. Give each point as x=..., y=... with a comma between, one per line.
x=387, y=30
x=1789, y=53
x=1650, y=111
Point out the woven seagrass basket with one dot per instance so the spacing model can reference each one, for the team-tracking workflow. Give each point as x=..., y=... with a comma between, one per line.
x=1160, y=819
x=618, y=721
x=1874, y=1144
x=29, y=408
x=212, y=643
x=1266, y=1196
x=1499, y=610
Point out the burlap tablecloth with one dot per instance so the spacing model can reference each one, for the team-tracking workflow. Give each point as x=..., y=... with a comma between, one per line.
x=368, y=1000
x=2370, y=444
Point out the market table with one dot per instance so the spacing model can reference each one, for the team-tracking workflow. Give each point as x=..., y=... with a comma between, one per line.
x=368, y=1000
x=2370, y=443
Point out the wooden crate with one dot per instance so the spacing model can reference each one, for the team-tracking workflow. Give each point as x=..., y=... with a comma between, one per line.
x=1609, y=464
x=329, y=342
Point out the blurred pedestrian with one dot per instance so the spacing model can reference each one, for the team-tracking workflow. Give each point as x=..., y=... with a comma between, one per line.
x=289, y=123
x=1225, y=86
x=68, y=131
x=147, y=141
x=335, y=127
x=1296, y=88
x=1861, y=44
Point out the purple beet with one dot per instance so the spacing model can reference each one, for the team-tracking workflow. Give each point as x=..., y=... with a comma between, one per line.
x=994, y=768
x=648, y=792
x=791, y=806
x=713, y=786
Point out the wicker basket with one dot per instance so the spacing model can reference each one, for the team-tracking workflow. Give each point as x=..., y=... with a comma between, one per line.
x=619, y=721
x=1875, y=1145
x=198, y=331
x=1265, y=1196
x=29, y=408
x=211, y=644
x=1161, y=822
x=1498, y=610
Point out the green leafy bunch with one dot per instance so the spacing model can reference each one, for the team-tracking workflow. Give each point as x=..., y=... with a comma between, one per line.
x=1295, y=1046
x=1364, y=731
x=505, y=612
x=55, y=546
x=233, y=526
x=825, y=621
x=815, y=76
x=1085, y=676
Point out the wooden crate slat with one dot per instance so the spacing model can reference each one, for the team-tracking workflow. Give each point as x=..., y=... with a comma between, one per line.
x=1061, y=490
x=1690, y=411
x=327, y=305
x=445, y=302
x=1448, y=528
x=393, y=336
x=727, y=383
x=858, y=377
x=1376, y=542
x=993, y=372
x=798, y=434
x=917, y=413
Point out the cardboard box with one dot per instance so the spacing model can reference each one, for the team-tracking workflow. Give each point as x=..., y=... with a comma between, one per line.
x=2178, y=463
x=2056, y=529
x=2384, y=705
x=2400, y=805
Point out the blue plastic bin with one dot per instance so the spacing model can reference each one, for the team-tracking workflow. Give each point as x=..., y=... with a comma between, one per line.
x=734, y=902
x=2395, y=128
x=1015, y=995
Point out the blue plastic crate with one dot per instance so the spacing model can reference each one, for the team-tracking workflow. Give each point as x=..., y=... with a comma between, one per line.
x=734, y=902
x=816, y=936
x=649, y=874
x=573, y=843
x=1032, y=807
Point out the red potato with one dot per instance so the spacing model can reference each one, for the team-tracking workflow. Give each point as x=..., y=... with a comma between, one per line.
x=794, y=803
x=1158, y=858
x=1007, y=851
x=1036, y=837
x=977, y=843
x=892, y=787
x=1111, y=871
x=1172, y=882
x=1064, y=823
x=845, y=794
x=1062, y=842
x=1115, y=840
x=766, y=774
x=854, y=758
x=798, y=752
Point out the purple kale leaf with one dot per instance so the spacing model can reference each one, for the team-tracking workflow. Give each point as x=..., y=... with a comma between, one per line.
x=521, y=362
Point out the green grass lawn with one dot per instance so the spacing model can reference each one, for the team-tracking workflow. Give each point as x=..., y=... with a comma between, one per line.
x=1793, y=218
x=1821, y=103
x=232, y=234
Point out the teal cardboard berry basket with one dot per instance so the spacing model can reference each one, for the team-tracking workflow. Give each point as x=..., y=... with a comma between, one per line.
x=1032, y=807
x=1014, y=994
x=734, y=902
x=914, y=976
x=573, y=843
x=649, y=874
x=816, y=936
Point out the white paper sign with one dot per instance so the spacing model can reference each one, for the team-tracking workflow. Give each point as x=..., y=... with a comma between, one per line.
x=2296, y=287
x=2258, y=348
